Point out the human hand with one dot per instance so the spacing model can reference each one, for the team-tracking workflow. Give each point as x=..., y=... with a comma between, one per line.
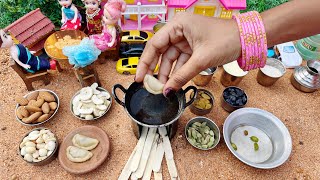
x=194, y=43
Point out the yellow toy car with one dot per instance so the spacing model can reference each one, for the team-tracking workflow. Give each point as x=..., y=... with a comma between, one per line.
x=129, y=65
x=136, y=36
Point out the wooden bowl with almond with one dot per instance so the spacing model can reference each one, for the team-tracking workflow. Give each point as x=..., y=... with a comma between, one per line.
x=37, y=107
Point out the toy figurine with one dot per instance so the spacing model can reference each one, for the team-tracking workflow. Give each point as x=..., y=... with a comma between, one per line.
x=71, y=18
x=111, y=14
x=94, y=16
x=24, y=57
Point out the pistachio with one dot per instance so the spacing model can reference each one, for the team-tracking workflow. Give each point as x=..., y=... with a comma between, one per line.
x=234, y=146
x=256, y=146
x=254, y=139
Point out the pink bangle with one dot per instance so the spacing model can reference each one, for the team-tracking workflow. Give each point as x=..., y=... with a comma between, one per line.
x=253, y=40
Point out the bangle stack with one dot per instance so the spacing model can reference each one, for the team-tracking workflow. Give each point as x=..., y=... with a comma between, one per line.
x=253, y=41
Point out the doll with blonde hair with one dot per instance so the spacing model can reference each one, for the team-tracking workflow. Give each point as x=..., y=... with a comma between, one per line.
x=111, y=15
x=22, y=56
x=71, y=18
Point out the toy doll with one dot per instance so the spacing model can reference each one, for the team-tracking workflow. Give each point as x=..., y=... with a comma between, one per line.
x=24, y=57
x=94, y=16
x=111, y=14
x=71, y=18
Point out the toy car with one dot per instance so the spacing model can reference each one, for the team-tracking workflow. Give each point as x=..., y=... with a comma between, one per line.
x=129, y=65
x=131, y=50
x=136, y=36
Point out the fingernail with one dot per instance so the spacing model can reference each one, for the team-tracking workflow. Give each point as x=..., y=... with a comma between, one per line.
x=169, y=92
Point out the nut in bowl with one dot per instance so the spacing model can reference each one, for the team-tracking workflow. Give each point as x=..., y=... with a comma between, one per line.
x=233, y=98
x=91, y=102
x=37, y=107
x=202, y=133
x=203, y=103
x=38, y=147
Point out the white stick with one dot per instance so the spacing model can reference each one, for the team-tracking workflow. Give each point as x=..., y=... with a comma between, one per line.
x=137, y=156
x=145, y=153
x=159, y=156
x=148, y=170
x=168, y=153
x=126, y=172
x=158, y=175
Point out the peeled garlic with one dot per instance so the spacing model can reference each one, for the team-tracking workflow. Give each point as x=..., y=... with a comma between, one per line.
x=152, y=85
x=49, y=153
x=39, y=140
x=30, y=150
x=102, y=107
x=23, y=151
x=96, y=100
x=51, y=145
x=42, y=145
x=28, y=157
x=30, y=144
x=89, y=117
x=86, y=93
x=35, y=154
x=43, y=152
x=86, y=111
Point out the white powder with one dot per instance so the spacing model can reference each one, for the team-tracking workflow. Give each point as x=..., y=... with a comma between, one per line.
x=271, y=71
x=234, y=69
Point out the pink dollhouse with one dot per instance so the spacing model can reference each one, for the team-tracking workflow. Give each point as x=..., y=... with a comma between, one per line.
x=213, y=8
x=143, y=14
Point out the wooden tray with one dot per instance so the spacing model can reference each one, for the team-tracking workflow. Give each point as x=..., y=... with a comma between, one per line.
x=100, y=153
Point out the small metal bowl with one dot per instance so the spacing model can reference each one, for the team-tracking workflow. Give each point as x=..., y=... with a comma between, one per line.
x=232, y=74
x=267, y=123
x=228, y=106
x=98, y=88
x=211, y=125
x=267, y=78
x=204, y=77
x=55, y=111
x=46, y=161
x=199, y=111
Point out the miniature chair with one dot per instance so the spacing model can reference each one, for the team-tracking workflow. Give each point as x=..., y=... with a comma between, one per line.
x=114, y=52
x=28, y=77
x=86, y=73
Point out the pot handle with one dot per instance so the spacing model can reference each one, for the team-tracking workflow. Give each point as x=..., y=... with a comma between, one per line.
x=115, y=94
x=195, y=91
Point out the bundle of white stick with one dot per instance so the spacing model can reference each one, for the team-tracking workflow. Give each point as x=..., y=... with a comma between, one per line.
x=147, y=156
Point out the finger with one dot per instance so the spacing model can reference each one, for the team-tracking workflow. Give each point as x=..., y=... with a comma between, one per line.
x=183, y=58
x=168, y=58
x=159, y=43
x=184, y=74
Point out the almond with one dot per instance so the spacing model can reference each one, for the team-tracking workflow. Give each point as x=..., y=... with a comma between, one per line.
x=33, y=117
x=23, y=111
x=33, y=96
x=48, y=97
x=22, y=101
x=43, y=117
x=39, y=102
x=45, y=108
x=53, y=105
x=32, y=108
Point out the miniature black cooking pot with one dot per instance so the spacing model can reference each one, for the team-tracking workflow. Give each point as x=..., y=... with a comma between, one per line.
x=151, y=110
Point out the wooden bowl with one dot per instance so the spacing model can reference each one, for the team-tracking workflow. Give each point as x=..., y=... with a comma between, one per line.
x=100, y=153
x=50, y=47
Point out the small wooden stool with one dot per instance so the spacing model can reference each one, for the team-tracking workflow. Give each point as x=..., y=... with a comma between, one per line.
x=28, y=77
x=86, y=73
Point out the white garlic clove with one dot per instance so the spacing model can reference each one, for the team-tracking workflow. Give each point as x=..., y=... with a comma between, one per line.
x=45, y=137
x=89, y=117
x=101, y=113
x=82, y=115
x=23, y=151
x=102, y=107
x=50, y=139
x=34, y=132
x=36, y=160
x=107, y=103
x=33, y=136
x=87, y=101
x=39, y=140
x=23, y=143
x=40, y=146
x=43, y=152
x=152, y=84
x=30, y=144
x=49, y=153
x=50, y=134
x=76, y=108
x=88, y=106
x=28, y=157
x=86, y=93
x=44, y=131
x=96, y=100
x=51, y=145
x=25, y=139
x=86, y=111
x=30, y=150
x=94, y=86
x=42, y=158
x=35, y=154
